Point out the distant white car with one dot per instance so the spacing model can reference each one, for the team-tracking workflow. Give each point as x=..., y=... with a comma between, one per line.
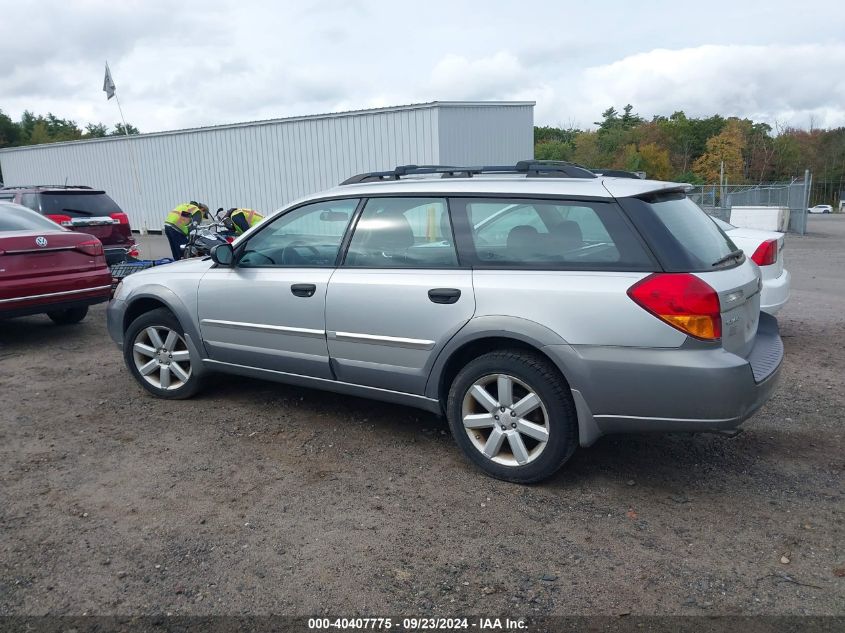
x=765, y=248
x=820, y=208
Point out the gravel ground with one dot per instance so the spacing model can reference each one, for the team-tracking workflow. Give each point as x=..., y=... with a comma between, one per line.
x=260, y=498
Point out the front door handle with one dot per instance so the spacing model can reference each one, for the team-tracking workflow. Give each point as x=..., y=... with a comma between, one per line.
x=444, y=295
x=303, y=290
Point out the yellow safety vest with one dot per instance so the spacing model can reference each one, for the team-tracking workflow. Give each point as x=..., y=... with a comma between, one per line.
x=182, y=216
x=252, y=218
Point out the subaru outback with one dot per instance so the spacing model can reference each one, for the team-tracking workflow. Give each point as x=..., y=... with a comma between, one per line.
x=537, y=306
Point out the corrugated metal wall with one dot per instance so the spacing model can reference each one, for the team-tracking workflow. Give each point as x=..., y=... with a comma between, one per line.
x=493, y=135
x=265, y=165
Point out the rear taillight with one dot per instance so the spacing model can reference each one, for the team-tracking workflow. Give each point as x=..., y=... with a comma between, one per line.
x=62, y=220
x=766, y=254
x=230, y=239
x=91, y=247
x=683, y=301
x=121, y=218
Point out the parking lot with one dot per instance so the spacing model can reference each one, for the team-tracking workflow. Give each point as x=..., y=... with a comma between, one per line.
x=258, y=498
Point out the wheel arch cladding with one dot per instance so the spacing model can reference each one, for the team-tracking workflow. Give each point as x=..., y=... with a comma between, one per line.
x=476, y=347
x=152, y=298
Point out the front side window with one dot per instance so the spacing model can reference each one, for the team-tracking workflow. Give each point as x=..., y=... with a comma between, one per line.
x=306, y=236
x=552, y=233
x=403, y=233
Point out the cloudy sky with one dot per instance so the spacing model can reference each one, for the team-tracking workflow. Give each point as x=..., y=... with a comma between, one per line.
x=191, y=63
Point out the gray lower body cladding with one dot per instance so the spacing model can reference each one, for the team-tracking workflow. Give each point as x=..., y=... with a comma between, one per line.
x=621, y=390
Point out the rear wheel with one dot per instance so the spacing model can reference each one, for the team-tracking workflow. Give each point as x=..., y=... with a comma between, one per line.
x=512, y=414
x=68, y=316
x=157, y=353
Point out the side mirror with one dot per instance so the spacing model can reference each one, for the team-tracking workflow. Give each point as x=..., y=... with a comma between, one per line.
x=223, y=255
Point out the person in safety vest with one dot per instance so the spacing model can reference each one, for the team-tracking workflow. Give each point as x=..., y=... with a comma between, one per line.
x=178, y=222
x=242, y=220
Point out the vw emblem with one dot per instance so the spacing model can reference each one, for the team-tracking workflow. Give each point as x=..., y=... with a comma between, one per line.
x=41, y=241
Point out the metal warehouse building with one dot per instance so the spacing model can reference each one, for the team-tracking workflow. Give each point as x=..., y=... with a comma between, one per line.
x=266, y=164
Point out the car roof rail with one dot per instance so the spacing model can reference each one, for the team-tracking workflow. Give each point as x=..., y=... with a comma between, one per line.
x=11, y=187
x=531, y=169
x=617, y=173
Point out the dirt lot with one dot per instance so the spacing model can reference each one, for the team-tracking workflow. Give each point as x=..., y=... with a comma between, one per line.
x=261, y=498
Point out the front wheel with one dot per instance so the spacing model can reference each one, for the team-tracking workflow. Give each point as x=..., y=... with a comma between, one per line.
x=512, y=414
x=157, y=354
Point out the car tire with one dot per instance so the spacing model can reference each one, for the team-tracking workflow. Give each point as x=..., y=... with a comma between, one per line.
x=155, y=350
x=521, y=429
x=68, y=316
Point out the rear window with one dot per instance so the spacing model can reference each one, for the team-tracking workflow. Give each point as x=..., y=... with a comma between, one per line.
x=16, y=218
x=552, y=234
x=682, y=236
x=78, y=204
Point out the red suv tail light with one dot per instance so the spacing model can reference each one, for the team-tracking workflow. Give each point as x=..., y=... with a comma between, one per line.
x=91, y=247
x=63, y=220
x=683, y=301
x=766, y=254
x=121, y=217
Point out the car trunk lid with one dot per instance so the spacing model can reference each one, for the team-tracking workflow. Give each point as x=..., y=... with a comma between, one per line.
x=738, y=289
x=30, y=255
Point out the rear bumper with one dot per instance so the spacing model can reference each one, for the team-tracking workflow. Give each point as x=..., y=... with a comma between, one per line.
x=42, y=294
x=775, y=293
x=633, y=390
x=56, y=303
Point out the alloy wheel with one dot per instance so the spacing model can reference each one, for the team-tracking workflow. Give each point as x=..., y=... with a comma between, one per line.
x=161, y=356
x=505, y=419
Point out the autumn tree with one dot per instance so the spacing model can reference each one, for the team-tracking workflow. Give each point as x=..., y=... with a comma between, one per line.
x=724, y=148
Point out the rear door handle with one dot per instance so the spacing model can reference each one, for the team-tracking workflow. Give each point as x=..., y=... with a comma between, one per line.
x=444, y=295
x=303, y=290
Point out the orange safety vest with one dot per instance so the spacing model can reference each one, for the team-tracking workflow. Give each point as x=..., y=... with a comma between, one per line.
x=252, y=218
x=182, y=216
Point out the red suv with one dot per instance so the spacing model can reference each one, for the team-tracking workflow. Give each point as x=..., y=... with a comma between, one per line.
x=80, y=209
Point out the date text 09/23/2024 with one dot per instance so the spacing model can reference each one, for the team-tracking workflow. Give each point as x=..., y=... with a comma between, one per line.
x=418, y=624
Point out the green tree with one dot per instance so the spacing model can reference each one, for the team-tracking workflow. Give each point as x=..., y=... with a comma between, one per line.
x=96, y=130
x=39, y=134
x=9, y=130
x=119, y=129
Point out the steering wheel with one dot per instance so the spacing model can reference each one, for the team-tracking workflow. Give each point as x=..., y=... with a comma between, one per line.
x=257, y=254
x=291, y=248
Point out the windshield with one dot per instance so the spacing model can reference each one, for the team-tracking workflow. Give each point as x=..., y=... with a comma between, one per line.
x=14, y=217
x=78, y=204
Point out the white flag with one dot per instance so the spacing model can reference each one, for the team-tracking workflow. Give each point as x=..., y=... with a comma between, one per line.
x=108, y=84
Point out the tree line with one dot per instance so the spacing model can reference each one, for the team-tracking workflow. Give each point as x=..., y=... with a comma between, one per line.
x=689, y=149
x=35, y=129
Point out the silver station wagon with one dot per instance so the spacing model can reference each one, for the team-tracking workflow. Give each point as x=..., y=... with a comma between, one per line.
x=538, y=306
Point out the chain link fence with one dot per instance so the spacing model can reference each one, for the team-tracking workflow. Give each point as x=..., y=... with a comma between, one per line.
x=717, y=200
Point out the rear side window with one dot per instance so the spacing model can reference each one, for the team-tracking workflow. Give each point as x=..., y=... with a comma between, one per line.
x=553, y=234
x=403, y=233
x=77, y=204
x=17, y=218
x=682, y=236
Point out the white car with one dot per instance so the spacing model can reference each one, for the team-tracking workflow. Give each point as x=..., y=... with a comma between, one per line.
x=820, y=208
x=765, y=248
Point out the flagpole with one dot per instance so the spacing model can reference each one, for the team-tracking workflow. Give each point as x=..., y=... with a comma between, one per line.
x=134, y=164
